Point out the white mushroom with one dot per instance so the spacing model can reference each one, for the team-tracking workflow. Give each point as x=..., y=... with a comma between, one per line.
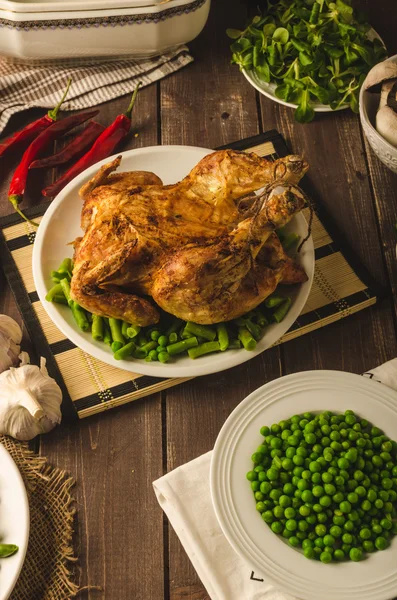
x=386, y=124
x=383, y=78
x=383, y=71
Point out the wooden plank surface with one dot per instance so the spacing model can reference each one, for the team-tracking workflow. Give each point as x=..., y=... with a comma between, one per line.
x=123, y=540
x=115, y=457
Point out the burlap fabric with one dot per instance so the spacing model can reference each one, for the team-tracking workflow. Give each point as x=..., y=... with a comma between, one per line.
x=48, y=572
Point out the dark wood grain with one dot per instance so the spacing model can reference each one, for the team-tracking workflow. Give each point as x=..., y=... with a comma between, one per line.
x=114, y=458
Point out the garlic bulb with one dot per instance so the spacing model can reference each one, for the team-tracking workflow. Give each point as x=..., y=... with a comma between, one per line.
x=30, y=401
x=10, y=339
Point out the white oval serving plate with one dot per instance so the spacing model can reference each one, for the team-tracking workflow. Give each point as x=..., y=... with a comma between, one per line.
x=375, y=578
x=14, y=521
x=61, y=225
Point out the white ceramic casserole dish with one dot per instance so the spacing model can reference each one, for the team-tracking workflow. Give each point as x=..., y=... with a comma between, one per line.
x=55, y=31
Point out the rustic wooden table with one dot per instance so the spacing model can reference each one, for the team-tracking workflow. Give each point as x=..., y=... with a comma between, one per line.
x=123, y=539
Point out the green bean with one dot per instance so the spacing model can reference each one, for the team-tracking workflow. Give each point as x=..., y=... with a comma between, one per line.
x=139, y=353
x=202, y=330
x=133, y=331
x=66, y=266
x=246, y=338
x=205, y=348
x=282, y=310
x=60, y=299
x=125, y=351
x=155, y=334
x=89, y=316
x=7, y=550
x=254, y=329
x=97, y=328
x=173, y=337
x=261, y=319
x=58, y=275
x=54, y=291
x=185, y=335
x=164, y=357
x=116, y=346
x=107, y=336
x=79, y=315
x=141, y=338
x=180, y=347
x=149, y=346
x=281, y=233
x=124, y=329
x=115, y=328
x=274, y=300
x=174, y=326
x=240, y=322
x=66, y=290
x=234, y=344
x=223, y=336
x=290, y=241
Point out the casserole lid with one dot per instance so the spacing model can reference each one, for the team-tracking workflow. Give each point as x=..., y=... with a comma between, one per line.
x=55, y=6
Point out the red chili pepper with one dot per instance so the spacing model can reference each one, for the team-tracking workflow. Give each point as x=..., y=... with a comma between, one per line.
x=74, y=149
x=103, y=147
x=28, y=133
x=18, y=182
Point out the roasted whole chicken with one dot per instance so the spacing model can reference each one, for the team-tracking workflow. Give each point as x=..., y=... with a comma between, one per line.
x=203, y=249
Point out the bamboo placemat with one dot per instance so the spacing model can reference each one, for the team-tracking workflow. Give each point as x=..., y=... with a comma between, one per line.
x=341, y=287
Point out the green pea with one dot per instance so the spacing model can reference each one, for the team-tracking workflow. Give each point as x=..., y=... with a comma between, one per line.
x=326, y=557
x=356, y=554
x=276, y=527
x=365, y=533
x=339, y=554
x=309, y=552
x=291, y=525
x=381, y=543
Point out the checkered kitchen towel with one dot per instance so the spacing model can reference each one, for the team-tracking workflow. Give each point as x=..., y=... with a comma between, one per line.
x=28, y=86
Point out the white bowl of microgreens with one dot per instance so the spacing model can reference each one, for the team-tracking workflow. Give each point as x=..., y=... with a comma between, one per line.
x=311, y=56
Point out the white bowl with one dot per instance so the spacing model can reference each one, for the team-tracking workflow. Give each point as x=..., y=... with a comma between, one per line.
x=61, y=224
x=369, y=103
x=49, y=31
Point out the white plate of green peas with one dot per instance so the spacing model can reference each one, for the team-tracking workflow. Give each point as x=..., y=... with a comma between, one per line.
x=304, y=485
x=173, y=348
x=14, y=523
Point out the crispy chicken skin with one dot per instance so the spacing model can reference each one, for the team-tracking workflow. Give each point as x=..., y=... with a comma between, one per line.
x=200, y=252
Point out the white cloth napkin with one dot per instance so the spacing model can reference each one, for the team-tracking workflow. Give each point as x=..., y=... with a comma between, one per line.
x=27, y=86
x=184, y=495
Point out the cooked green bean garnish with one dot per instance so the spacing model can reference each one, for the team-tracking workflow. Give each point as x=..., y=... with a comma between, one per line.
x=133, y=331
x=56, y=290
x=282, y=310
x=223, y=336
x=97, y=328
x=181, y=346
x=205, y=348
x=246, y=338
x=203, y=331
x=125, y=351
x=115, y=328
